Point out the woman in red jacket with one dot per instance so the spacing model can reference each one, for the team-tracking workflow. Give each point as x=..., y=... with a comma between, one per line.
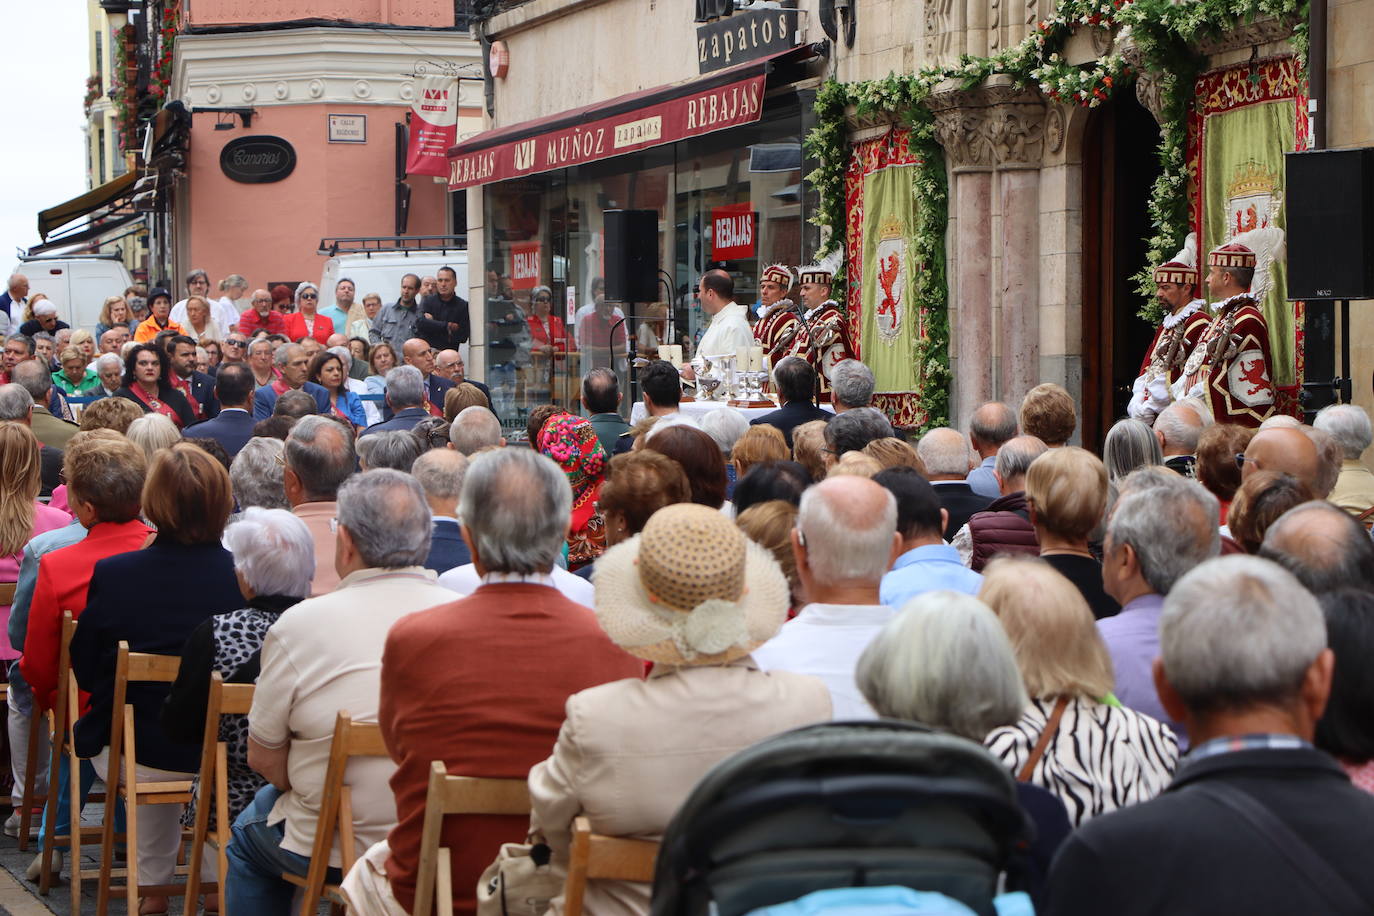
x=306, y=320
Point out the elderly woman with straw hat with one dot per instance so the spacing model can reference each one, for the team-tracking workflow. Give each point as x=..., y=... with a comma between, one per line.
x=695, y=597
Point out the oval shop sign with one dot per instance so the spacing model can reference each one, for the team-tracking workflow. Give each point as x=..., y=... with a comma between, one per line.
x=257, y=160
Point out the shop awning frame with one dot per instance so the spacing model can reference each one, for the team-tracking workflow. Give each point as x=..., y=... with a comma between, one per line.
x=505, y=140
x=95, y=199
x=83, y=236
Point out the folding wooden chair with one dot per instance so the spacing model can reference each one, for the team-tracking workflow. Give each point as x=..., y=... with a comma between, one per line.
x=457, y=795
x=225, y=700
x=133, y=668
x=67, y=709
x=351, y=739
x=604, y=857
x=40, y=723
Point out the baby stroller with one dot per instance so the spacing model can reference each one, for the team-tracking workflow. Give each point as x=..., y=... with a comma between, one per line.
x=843, y=805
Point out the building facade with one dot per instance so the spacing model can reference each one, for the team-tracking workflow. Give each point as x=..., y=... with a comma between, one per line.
x=1062, y=147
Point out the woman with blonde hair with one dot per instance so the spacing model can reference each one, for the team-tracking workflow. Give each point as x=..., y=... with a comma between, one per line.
x=1074, y=739
x=1066, y=498
x=200, y=323
x=460, y=397
x=758, y=445
x=21, y=515
x=113, y=314
x=892, y=452
x=769, y=524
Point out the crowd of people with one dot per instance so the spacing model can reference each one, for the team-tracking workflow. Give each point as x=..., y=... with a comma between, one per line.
x=1162, y=646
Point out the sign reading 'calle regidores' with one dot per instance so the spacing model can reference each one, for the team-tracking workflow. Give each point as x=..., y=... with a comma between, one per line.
x=745, y=36
x=257, y=160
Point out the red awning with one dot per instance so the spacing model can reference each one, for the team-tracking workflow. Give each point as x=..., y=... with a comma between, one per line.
x=625, y=124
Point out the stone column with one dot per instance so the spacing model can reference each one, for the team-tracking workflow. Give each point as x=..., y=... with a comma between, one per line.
x=1015, y=127
x=960, y=126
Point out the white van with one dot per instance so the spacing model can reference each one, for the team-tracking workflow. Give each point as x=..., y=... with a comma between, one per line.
x=78, y=284
x=380, y=269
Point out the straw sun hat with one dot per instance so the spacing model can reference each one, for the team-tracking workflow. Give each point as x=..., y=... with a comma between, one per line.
x=689, y=590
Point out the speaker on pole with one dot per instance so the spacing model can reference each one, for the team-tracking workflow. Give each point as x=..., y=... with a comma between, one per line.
x=631, y=255
x=1330, y=209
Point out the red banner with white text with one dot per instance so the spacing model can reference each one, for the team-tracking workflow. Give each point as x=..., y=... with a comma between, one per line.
x=433, y=126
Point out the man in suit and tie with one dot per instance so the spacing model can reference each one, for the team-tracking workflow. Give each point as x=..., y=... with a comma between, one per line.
x=197, y=386
x=945, y=453
x=420, y=354
x=440, y=473
x=233, y=427
x=293, y=365
x=795, y=382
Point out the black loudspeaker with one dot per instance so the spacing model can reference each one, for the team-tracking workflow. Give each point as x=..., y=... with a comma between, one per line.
x=1330, y=204
x=631, y=255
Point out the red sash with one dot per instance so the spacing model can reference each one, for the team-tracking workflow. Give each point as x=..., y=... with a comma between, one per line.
x=184, y=386
x=155, y=405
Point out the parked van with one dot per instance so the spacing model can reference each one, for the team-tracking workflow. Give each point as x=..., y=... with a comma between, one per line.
x=376, y=268
x=78, y=284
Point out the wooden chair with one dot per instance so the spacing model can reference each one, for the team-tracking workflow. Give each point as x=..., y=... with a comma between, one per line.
x=351, y=739
x=40, y=723
x=133, y=668
x=457, y=795
x=604, y=857
x=225, y=700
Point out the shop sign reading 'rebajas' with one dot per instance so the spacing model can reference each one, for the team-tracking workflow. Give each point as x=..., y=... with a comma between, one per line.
x=746, y=36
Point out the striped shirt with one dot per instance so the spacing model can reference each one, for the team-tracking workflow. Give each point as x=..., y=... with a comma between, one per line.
x=1101, y=757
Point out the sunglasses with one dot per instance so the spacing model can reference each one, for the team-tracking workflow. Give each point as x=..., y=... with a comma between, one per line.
x=309, y=296
x=235, y=343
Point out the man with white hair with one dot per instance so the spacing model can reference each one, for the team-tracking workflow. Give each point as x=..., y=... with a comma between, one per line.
x=1323, y=546
x=851, y=385
x=945, y=453
x=1154, y=537
x=405, y=395
x=1177, y=427
x=1256, y=820
x=318, y=458
x=473, y=429
x=44, y=319
x=13, y=300
x=323, y=657
x=1004, y=526
x=845, y=541
x=440, y=473
x=482, y=683
x=1349, y=425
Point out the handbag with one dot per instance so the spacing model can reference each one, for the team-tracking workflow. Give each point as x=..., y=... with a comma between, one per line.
x=521, y=882
x=1051, y=726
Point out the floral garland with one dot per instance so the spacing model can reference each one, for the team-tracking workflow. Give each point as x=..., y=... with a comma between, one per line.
x=162, y=74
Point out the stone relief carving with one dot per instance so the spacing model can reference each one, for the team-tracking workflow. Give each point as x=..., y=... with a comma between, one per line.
x=937, y=16
x=1054, y=127
x=994, y=26
x=995, y=125
x=1247, y=34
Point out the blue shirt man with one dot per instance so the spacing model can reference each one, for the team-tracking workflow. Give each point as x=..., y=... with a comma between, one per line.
x=927, y=563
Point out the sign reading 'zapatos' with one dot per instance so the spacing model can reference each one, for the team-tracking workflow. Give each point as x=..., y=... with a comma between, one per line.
x=257, y=160
x=746, y=36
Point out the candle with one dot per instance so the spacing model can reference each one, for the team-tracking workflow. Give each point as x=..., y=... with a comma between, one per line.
x=665, y=353
x=676, y=355
x=742, y=359
x=755, y=359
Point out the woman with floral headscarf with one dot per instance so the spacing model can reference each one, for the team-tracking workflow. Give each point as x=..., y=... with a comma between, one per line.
x=571, y=442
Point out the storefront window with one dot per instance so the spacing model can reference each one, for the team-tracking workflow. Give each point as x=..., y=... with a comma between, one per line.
x=548, y=320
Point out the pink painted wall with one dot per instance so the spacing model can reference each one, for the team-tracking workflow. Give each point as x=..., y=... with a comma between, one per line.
x=269, y=232
x=431, y=13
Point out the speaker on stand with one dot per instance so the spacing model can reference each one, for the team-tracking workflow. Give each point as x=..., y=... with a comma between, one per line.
x=1330, y=219
x=631, y=275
